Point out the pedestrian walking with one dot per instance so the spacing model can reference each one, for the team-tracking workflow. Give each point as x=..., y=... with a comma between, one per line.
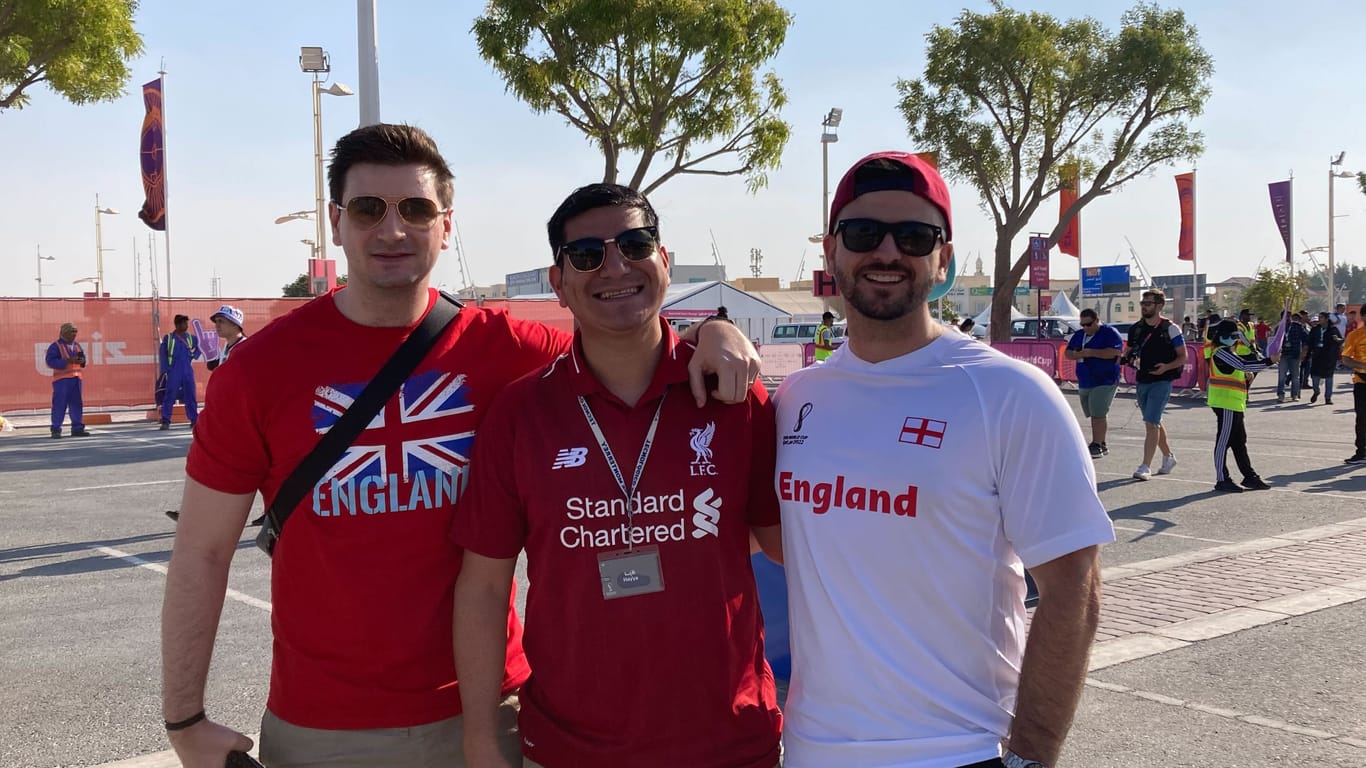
x=1228, y=383
x=1158, y=351
x=1096, y=348
x=1325, y=347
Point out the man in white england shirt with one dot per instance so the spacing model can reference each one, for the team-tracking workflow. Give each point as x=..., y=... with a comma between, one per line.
x=920, y=474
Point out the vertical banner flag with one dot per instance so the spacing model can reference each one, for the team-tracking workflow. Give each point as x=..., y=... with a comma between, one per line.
x=1185, y=190
x=1070, y=241
x=1038, y=263
x=1280, y=208
x=153, y=212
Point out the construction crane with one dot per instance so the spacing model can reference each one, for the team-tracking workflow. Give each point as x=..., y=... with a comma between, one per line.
x=466, y=284
x=801, y=265
x=716, y=255
x=1138, y=263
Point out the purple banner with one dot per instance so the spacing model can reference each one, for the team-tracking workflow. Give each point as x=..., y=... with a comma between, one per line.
x=153, y=212
x=1281, y=209
x=1038, y=263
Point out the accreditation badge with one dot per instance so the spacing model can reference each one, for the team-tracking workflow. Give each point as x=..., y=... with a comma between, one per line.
x=630, y=572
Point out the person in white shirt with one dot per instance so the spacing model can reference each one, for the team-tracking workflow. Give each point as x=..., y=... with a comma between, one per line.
x=920, y=473
x=227, y=321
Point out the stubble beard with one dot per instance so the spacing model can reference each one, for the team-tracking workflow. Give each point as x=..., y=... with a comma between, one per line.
x=864, y=296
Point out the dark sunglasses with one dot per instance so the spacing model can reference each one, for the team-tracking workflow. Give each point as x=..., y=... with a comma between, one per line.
x=367, y=211
x=588, y=253
x=1085, y=324
x=912, y=238
x=1147, y=303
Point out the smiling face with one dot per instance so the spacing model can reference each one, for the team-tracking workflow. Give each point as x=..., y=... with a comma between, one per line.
x=620, y=296
x=393, y=254
x=884, y=283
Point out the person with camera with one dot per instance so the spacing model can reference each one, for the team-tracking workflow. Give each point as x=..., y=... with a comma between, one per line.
x=66, y=358
x=1158, y=351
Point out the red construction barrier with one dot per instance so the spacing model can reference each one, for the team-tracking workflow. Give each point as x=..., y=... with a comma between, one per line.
x=120, y=338
x=1041, y=353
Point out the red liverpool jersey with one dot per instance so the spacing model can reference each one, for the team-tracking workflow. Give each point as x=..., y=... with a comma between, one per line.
x=670, y=678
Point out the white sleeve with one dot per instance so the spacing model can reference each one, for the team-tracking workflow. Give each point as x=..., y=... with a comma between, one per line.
x=1046, y=479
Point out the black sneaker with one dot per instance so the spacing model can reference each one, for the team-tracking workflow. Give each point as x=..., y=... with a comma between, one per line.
x=82, y=433
x=1255, y=484
x=1314, y=398
x=165, y=425
x=257, y=522
x=56, y=434
x=173, y=514
x=1357, y=458
x=1227, y=486
x=1096, y=450
x=1104, y=449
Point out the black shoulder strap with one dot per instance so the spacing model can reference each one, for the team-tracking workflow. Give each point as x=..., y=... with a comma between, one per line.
x=362, y=410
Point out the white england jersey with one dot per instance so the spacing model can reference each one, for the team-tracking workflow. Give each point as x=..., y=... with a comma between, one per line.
x=913, y=492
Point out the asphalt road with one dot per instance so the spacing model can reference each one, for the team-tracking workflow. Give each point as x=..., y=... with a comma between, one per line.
x=85, y=541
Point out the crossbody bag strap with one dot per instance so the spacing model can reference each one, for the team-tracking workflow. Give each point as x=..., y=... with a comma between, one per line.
x=362, y=411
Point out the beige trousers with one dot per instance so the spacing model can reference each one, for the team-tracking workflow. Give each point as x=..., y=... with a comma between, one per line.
x=434, y=745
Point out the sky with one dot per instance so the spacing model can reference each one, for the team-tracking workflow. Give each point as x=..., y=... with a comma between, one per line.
x=1286, y=97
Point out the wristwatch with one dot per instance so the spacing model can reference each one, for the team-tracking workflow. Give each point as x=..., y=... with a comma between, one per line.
x=1012, y=760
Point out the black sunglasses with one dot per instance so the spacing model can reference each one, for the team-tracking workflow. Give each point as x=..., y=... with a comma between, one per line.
x=367, y=211
x=588, y=253
x=913, y=238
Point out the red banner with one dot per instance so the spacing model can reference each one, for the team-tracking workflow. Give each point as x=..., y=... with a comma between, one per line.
x=120, y=341
x=1070, y=241
x=1185, y=190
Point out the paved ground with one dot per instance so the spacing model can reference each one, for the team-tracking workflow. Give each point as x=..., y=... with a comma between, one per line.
x=1230, y=634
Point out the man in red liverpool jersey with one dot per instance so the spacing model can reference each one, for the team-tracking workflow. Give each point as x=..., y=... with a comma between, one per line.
x=362, y=670
x=635, y=510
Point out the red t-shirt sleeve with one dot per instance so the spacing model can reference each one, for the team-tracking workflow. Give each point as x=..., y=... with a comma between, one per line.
x=490, y=519
x=538, y=343
x=762, y=509
x=229, y=452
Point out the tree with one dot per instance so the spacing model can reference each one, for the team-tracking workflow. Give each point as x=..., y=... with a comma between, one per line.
x=679, y=81
x=80, y=48
x=1267, y=295
x=300, y=288
x=1009, y=97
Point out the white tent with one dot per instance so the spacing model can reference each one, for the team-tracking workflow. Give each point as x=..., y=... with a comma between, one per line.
x=1062, y=307
x=984, y=317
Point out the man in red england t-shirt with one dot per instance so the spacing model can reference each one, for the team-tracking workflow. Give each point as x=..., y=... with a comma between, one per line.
x=362, y=577
x=635, y=509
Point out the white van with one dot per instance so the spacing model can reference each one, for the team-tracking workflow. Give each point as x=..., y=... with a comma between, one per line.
x=801, y=333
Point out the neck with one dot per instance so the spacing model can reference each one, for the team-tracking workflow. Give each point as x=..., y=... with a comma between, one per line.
x=874, y=341
x=625, y=362
x=383, y=308
x=1154, y=320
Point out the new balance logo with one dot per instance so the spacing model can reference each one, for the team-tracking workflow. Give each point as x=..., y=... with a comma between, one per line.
x=570, y=457
x=708, y=514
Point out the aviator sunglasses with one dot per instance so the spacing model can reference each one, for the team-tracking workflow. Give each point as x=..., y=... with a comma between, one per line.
x=912, y=238
x=588, y=253
x=367, y=211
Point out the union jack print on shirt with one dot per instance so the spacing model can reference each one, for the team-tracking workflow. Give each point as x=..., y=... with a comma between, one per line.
x=424, y=397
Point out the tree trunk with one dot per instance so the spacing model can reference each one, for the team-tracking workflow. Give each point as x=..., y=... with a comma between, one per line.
x=1004, y=294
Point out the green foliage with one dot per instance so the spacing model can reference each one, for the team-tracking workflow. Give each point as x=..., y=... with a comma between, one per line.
x=1267, y=295
x=1009, y=96
x=1361, y=182
x=80, y=48
x=300, y=288
x=672, y=80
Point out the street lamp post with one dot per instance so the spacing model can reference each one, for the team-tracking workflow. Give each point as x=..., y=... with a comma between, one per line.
x=315, y=60
x=99, y=247
x=41, y=259
x=1333, y=173
x=829, y=135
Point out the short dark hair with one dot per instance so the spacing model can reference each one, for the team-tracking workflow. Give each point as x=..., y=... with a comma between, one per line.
x=827, y=315
x=592, y=196
x=388, y=144
x=1088, y=312
x=181, y=319
x=1158, y=295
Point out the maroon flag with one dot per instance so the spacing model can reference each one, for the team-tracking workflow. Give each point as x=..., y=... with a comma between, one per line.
x=1285, y=216
x=1070, y=240
x=1185, y=190
x=153, y=212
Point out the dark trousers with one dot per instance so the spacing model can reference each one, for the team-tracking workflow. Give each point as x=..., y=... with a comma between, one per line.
x=1359, y=405
x=1231, y=434
x=66, y=397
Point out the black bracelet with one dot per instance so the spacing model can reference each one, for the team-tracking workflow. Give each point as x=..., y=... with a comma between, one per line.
x=181, y=725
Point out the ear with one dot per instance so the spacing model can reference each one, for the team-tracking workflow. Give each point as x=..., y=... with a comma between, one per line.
x=945, y=259
x=446, y=225
x=664, y=257
x=828, y=250
x=334, y=213
x=556, y=276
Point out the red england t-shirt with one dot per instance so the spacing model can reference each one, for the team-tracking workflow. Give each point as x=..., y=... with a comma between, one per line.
x=671, y=678
x=363, y=574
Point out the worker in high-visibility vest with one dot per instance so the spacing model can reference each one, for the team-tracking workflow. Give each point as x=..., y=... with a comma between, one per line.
x=179, y=349
x=66, y=358
x=1228, y=381
x=825, y=337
